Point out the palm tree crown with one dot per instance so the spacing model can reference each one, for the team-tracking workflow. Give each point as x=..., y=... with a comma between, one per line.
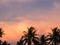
x=1, y=32
x=55, y=36
x=30, y=35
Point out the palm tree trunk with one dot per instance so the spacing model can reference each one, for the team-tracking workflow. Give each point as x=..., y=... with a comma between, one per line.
x=29, y=41
x=55, y=43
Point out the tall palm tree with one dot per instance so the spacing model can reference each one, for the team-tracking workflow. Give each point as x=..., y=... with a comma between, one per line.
x=36, y=42
x=0, y=42
x=30, y=35
x=54, y=36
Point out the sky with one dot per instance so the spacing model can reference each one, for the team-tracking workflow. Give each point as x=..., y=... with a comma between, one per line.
x=17, y=15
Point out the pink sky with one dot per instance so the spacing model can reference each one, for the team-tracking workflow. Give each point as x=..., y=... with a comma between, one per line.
x=17, y=15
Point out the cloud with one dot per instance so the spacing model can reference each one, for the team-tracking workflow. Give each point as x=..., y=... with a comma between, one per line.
x=42, y=14
x=57, y=5
x=7, y=1
x=16, y=11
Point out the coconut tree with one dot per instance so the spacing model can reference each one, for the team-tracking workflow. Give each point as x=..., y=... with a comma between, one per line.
x=0, y=42
x=20, y=42
x=1, y=32
x=36, y=42
x=4, y=43
x=54, y=37
x=43, y=40
x=30, y=35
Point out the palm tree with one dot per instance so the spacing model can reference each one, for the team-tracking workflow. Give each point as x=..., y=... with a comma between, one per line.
x=0, y=42
x=1, y=32
x=54, y=36
x=20, y=42
x=4, y=43
x=43, y=40
x=30, y=35
x=36, y=42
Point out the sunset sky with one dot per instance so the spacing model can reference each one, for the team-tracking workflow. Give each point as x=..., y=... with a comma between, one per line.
x=17, y=15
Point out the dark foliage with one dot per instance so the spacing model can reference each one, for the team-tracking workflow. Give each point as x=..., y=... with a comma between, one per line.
x=1, y=33
x=30, y=38
x=54, y=36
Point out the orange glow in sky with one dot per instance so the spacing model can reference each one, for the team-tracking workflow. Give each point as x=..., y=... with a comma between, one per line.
x=17, y=15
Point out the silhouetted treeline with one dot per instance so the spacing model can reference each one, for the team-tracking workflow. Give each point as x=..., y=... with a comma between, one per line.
x=31, y=38
x=4, y=43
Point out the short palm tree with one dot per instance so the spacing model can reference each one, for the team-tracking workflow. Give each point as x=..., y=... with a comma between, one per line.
x=43, y=40
x=1, y=32
x=54, y=36
x=30, y=35
x=21, y=41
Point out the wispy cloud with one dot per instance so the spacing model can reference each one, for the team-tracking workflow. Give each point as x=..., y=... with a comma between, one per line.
x=7, y=1
x=15, y=8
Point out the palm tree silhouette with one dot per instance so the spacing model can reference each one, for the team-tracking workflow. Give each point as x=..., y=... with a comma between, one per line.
x=43, y=40
x=36, y=42
x=8, y=43
x=21, y=41
x=4, y=43
x=1, y=32
x=0, y=42
x=30, y=35
x=54, y=36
